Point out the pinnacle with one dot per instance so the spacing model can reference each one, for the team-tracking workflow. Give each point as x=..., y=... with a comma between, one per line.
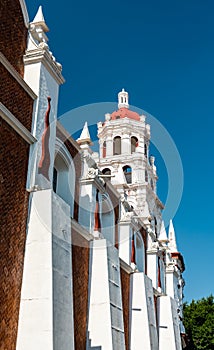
x=39, y=19
x=163, y=236
x=172, y=239
x=85, y=135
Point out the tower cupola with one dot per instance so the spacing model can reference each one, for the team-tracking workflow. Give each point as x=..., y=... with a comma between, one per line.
x=123, y=99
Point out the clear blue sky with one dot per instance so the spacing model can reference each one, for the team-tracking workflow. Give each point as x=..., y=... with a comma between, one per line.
x=162, y=52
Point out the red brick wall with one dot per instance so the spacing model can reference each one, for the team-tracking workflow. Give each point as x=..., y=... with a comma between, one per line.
x=80, y=260
x=125, y=284
x=15, y=98
x=14, y=153
x=13, y=33
x=13, y=208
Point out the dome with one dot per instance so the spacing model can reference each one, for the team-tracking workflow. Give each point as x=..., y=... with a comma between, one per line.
x=125, y=113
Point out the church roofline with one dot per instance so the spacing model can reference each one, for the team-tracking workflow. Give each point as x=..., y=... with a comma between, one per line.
x=24, y=12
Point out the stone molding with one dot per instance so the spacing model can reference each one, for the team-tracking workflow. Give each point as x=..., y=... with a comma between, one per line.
x=81, y=230
x=16, y=125
x=127, y=268
x=42, y=55
x=24, y=12
x=17, y=76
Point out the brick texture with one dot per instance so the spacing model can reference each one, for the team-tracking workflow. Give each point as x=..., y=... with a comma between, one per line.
x=15, y=98
x=80, y=260
x=13, y=33
x=125, y=284
x=13, y=208
x=14, y=153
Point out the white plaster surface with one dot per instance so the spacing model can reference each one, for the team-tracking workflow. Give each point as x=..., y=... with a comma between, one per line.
x=36, y=308
x=105, y=311
x=143, y=322
x=169, y=333
x=44, y=85
x=125, y=236
x=46, y=309
x=152, y=267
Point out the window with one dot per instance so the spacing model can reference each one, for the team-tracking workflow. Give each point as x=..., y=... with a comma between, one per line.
x=156, y=226
x=127, y=170
x=104, y=149
x=146, y=176
x=54, y=179
x=107, y=219
x=152, y=185
x=107, y=171
x=134, y=144
x=64, y=175
x=145, y=150
x=140, y=252
x=117, y=145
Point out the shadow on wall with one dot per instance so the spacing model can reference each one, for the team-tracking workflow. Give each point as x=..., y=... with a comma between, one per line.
x=89, y=347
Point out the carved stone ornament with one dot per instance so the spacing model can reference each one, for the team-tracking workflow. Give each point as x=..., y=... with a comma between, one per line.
x=92, y=173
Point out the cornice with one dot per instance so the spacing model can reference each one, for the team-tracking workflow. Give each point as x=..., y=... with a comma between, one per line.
x=67, y=136
x=24, y=12
x=42, y=55
x=81, y=230
x=93, y=181
x=127, y=268
x=16, y=124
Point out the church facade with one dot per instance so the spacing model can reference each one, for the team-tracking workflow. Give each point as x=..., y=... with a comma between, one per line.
x=86, y=259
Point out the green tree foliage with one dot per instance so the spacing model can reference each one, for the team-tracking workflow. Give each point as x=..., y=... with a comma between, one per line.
x=199, y=323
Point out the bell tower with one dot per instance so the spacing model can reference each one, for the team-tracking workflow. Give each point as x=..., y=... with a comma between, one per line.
x=124, y=139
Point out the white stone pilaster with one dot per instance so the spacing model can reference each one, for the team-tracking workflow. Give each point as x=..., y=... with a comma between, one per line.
x=143, y=319
x=43, y=74
x=168, y=324
x=125, y=144
x=152, y=266
x=125, y=241
x=105, y=325
x=109, y=146
x=46, y=308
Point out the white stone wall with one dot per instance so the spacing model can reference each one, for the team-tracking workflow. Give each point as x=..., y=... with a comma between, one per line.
x=168, y=324
x=143, y=318
x=46, y=309
x=44, y=85
x=105, y=326
x=35, y=329
x=125, y=241
x=87, y=202
x=63, y=336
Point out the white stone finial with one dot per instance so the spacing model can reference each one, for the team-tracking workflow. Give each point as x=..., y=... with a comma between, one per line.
x=163, y=236
x=39, y=20
x=38, y=28
x=152, y=162
x=85, y=137
x=172, y=239
x=107, y=116
x=123, y=99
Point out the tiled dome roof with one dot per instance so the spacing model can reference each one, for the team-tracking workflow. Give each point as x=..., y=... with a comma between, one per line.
x=125, y=113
